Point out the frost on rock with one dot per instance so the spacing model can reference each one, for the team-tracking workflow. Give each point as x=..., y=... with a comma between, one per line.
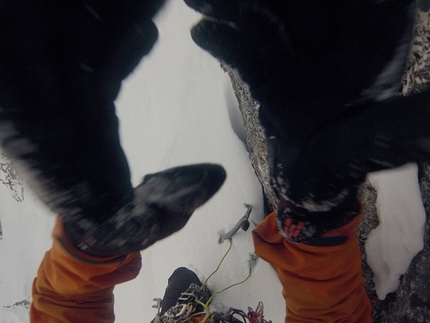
x=10, y=178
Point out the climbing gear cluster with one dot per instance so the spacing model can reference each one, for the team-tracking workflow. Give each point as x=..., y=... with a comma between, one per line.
x=193, y=304
x=185, y=310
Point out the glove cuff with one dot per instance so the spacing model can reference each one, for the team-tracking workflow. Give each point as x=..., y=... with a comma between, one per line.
x=329, y=227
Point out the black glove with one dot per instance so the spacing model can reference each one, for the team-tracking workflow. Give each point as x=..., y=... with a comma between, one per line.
x=327, y=77
x=162, y=205
x=61, y=68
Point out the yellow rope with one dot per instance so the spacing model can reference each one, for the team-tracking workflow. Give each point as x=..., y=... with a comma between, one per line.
x=206, y=313
x=219, y=265
x=236, y=284
x=206, y=306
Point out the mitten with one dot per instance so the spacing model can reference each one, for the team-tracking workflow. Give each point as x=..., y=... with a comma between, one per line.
x=327, y=77
x=61, y=68
x=162, y=205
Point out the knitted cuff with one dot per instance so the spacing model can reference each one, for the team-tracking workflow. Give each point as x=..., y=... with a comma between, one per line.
x=299, y=224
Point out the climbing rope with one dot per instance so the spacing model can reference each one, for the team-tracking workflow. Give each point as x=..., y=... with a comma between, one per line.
x=228, y=287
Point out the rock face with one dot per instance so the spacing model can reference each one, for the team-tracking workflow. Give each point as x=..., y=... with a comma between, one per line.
x=12, y=180
x=254, y=135
x=411, y=302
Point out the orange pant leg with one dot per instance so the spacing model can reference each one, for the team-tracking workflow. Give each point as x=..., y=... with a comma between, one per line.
x=73, y=287
x=320, y=284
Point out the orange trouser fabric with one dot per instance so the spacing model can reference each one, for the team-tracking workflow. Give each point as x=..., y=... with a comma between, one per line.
x=73, y=287
x=320, y=284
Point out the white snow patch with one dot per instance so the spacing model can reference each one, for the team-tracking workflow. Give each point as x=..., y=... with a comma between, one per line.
x=399, y=237
x=8, y=316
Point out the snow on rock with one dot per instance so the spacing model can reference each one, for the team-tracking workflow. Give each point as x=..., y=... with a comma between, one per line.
x=399, y=237
x=10, y=178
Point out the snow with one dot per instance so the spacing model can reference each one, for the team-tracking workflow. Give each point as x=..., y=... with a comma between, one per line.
x=399, y=237
x=26, y=237
x=173, y=112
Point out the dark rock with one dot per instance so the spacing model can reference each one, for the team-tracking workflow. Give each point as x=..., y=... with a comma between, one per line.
x=424, y=5
x=254, y=135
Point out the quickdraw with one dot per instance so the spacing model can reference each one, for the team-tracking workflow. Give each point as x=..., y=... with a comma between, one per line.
x=250, y=317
